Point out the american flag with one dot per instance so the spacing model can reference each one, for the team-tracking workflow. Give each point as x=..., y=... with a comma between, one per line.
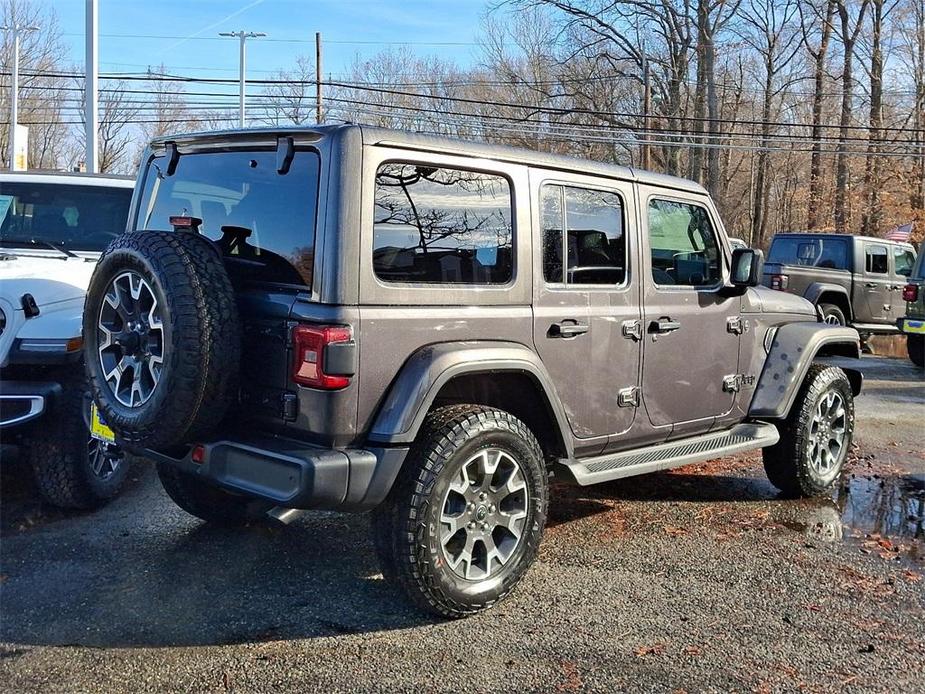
x=902, y=233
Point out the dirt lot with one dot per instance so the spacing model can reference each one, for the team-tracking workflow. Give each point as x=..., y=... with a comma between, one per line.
x=697, y=579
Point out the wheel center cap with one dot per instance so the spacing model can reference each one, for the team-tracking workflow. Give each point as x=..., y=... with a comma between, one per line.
x=481, y=513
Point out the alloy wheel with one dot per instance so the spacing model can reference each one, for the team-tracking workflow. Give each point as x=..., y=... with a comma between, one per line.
x=827, y=433
x=483, y=514
x=104, y=458
x=131, y=339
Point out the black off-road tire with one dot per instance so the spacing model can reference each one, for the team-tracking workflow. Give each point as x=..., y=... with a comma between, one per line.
x=57, y=451
x=404, y=527
x=209, y=502
x=915, y=346
x=202, y=337
x=835, y=312
x=787, y=463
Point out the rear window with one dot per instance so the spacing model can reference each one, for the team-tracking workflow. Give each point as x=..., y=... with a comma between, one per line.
x=826, y=253
x=73, y=217
x=442, y=226
x=263, y=221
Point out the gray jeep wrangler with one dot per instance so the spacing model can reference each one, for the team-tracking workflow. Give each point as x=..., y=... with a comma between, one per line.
x=352, y=318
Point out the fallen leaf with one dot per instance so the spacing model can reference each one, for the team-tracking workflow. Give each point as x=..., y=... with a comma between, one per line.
x=654, y=649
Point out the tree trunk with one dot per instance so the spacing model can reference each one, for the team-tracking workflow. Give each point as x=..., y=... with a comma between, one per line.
x=872, y=171
x=814, y=203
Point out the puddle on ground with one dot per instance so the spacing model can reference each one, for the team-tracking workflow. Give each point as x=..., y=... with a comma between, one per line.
x=885, y=515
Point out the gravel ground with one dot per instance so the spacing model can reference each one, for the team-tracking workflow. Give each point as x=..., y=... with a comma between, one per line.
x=696, y=579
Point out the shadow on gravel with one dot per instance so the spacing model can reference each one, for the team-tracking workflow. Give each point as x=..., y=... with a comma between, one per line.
x=141, y=573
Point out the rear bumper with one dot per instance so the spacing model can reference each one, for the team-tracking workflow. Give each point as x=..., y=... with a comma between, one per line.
x=293, y=474
x=911, y=326
x=22, y=402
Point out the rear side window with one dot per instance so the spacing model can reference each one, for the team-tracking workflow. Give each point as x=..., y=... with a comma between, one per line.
x=683, y=245
x=903, y=260
x=439, y=225
x=877, y=260
x=263, y=221
x=585, y=227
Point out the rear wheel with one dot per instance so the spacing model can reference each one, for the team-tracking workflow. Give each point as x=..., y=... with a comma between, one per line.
x=832, y=314
x=464, y=521
x=815, y=437
x=209, y=502
x=915, y=345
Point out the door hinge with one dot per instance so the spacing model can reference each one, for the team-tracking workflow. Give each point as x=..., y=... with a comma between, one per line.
x=732, y=383
x=628, y=397
x=736, y=326
x=632, y=329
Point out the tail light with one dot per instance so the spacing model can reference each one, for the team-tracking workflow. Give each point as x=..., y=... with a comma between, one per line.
x=780, y=282
x=311, y=345
x=911, y=292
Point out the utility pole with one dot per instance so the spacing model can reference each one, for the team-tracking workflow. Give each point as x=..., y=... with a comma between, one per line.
x=242, y=36
x=91, y=90
x=17, y=31
x=319, y=117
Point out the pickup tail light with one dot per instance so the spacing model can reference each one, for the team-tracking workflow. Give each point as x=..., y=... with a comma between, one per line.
x=780, y=282
x=911, y=292
x=310, y=343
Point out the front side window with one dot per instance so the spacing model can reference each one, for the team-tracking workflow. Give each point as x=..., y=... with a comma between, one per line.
x=877, y=260
x=263, y=221
x=71, y=217
x=683, y=245
x=585, y=227
x=904, y=260
x=438, y=225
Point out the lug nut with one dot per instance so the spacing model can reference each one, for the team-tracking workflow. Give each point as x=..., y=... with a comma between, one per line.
x=484, y=526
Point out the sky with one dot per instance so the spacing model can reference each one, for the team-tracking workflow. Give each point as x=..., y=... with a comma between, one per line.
x=183, y=34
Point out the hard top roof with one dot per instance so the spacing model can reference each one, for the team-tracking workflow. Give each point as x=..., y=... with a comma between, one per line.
x=68, y=178
x=439, y=143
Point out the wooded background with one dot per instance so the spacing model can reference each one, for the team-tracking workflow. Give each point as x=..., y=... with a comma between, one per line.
x=795, y=114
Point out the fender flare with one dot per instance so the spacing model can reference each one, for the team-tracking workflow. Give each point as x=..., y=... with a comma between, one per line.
x=420, y=379
x=795, y=347
x=817, y=289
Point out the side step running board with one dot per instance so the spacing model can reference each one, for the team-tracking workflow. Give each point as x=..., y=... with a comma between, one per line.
x=612, y=466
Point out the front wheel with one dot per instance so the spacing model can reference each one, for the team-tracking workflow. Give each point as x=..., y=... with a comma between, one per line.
x=464, y=521
x=815, y=437
x=915, y=345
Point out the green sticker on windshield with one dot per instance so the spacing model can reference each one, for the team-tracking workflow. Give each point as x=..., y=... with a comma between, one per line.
x=6, y=202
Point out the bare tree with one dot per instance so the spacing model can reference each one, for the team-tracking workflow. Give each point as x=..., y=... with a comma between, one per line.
x=851, y=21
x=291, y=100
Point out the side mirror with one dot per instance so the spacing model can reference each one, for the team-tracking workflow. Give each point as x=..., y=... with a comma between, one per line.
x=746, y=267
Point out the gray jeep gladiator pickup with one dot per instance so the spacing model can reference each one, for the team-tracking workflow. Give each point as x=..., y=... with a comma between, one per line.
x=352, y=318
x=854, y=280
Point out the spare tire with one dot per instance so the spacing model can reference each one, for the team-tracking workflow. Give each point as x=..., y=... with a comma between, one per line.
x=162, y=337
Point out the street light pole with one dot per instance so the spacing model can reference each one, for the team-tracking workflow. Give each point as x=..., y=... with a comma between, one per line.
x=17, y=31
x=92, y=90
x=242, y=36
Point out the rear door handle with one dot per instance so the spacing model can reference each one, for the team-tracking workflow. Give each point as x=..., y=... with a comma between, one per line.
x=664, y=325
x=567, y=328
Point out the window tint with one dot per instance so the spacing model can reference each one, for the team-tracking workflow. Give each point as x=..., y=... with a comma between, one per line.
x=903, y=260
x=74, y=217
x=442, y=226
x=812, y=252
x=876, y=260
x=263, y=221
x=589, y=234
x=683, y=245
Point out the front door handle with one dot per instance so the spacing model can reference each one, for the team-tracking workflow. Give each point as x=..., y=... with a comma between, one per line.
x=664, y=325
x=567, y=329
x=870, y=285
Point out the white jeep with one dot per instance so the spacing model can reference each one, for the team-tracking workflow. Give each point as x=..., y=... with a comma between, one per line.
x=52, y=230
